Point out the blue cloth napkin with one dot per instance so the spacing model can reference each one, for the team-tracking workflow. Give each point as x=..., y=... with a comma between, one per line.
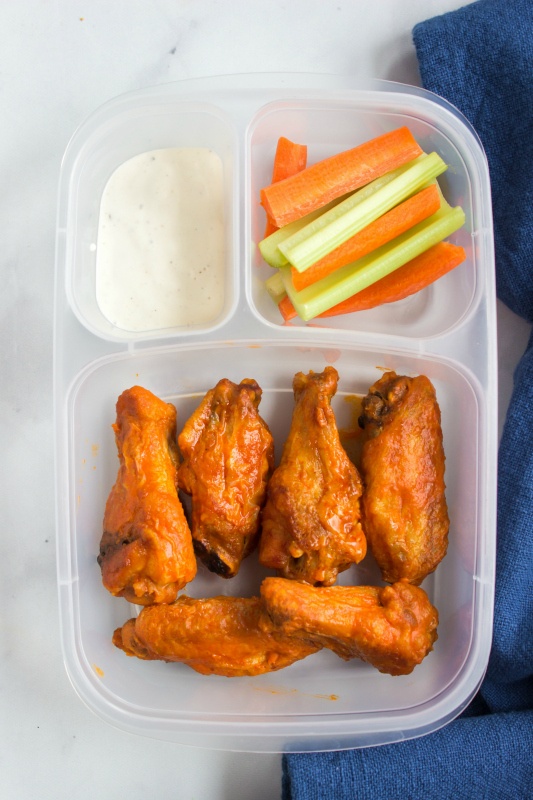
x=480, y=58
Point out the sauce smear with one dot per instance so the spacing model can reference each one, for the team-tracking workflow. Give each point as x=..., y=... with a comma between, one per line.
x=160, y=248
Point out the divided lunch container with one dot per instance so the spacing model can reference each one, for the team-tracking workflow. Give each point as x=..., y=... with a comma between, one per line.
x=447, y=332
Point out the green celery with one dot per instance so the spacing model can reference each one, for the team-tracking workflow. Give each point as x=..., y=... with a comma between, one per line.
x=352, y=278
x=335, y=227
x=275, y=287
x=268, y=247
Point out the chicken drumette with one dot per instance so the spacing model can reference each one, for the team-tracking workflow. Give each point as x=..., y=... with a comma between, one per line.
x=228, y=456
x=393, y=628
x=311, y=526
x=146, y=552
x=405, y=514
x=229, y=636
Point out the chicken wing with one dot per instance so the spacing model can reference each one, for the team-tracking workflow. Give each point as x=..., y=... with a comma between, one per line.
x=405, y=514
x=228, y=456
x=311, y=526
x=393, y=628
x=230, y=636
x=146, y=552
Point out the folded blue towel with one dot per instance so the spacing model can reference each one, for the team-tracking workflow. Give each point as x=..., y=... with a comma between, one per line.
x=456, y=763
x=480, y=58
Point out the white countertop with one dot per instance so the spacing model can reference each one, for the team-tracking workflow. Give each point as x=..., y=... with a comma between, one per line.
x=58, y=62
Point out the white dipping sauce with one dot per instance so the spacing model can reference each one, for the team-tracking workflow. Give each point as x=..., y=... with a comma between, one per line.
x=160, y=247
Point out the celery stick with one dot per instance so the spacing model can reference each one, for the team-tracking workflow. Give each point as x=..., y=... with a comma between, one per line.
x=352, y=278
x=355, y=213
x=268, y=247
x=275, y=287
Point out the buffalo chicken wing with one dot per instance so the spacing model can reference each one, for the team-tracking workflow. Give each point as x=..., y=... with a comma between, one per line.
x=228, y=456
x=311, y=521
x=229, y=636
x=405, y=514
x=393, y=628
x=146, y=552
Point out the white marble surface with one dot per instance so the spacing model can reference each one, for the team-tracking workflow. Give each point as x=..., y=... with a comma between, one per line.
x=59, y=60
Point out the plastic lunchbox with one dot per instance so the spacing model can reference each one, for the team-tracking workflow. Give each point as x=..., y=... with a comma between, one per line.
x=447, y=332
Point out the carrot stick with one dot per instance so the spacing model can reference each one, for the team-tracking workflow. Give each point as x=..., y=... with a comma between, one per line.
x=403, y=282
x=339, y=174
x=383, y=230
x=289, y=159
x=286, y=308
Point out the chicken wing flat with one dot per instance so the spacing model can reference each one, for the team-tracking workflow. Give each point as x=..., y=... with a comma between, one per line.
x=228, y=456
x=229, y=636
x=402, y=462
x=393, y=627
x=146, y=552
x=311, y=527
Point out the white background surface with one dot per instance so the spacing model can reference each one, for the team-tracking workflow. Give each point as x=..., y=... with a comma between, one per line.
x=59, y=60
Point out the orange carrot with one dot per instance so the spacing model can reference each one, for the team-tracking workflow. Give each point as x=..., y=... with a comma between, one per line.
x=337, y=175
x=402, y=217
x=286, y=308
x=403, y=282
x=289, y=159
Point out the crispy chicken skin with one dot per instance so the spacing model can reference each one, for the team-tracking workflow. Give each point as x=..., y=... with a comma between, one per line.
x=393, y=627
x=311, y=526
x=228, y=456
x=229, y=636
x=405, y=516
x=146, y=552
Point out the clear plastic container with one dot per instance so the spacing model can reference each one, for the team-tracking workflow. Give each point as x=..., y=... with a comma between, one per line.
x=447, y=332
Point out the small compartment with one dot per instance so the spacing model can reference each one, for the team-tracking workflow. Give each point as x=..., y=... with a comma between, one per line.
x=351, y=704
x=119, y=132
x=328, y=126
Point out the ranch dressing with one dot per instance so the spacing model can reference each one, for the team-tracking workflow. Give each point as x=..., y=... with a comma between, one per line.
x=160, y=246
